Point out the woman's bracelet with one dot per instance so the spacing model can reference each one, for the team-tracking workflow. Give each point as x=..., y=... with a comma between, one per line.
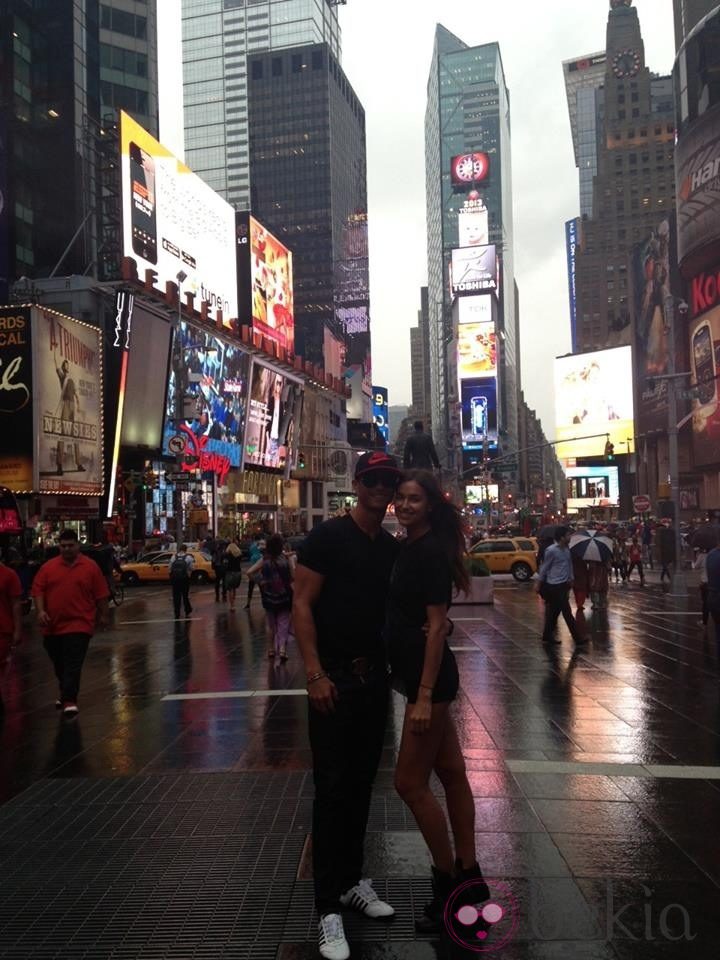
x=315, y=676
x=426, y=687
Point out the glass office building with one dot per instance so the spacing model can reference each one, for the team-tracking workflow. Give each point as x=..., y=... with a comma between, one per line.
x=583, y=78
x=468, y=109
x=217, y=38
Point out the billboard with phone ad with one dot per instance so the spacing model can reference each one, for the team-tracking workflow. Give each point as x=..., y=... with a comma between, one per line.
x=67, y=379
x=173, y=221
x=265, y=282
x=705, y=366
x=273, y=418
x=16, y=396
x=594, y=398
x=478, y=398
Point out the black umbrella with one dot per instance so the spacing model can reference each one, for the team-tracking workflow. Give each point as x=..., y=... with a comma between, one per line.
x=547, y=533
x=706, y=537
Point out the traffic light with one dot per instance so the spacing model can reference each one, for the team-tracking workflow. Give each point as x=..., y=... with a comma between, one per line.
x=609, y=451
x=301, y=461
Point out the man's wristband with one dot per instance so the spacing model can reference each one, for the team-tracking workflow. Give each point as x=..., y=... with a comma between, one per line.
x=315, y=676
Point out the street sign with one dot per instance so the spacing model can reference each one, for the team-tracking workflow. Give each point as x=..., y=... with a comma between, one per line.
x=641, y=503
x=177, y=443
x=502, y=467
x=177, y=477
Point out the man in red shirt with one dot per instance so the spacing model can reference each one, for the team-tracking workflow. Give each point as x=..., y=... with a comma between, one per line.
x=10, y=615
x=70, y=594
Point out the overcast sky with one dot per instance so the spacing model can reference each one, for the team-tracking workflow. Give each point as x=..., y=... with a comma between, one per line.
x=387, y=48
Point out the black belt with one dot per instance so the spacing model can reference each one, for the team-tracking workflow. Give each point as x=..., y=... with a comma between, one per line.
x=357, y=667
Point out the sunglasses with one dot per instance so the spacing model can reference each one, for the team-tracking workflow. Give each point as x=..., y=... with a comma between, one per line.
x=379, y=478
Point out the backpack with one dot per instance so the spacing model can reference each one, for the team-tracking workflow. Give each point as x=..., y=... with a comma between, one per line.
x=275, y=585
x=179, y=569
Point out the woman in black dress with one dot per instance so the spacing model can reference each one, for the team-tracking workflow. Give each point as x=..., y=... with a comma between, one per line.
x=424, y=669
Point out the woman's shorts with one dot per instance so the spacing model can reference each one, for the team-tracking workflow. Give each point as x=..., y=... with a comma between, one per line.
x=407, y=657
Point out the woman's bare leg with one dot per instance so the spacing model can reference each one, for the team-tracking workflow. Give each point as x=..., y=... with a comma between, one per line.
x=450, y=768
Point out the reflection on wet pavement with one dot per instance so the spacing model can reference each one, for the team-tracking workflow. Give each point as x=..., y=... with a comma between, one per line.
x=181, y=827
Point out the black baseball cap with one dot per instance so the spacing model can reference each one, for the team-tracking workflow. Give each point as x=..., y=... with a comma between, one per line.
x=376, y=460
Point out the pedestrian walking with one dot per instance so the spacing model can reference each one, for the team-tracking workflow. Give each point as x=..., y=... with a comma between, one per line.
x=274, y=577
x=71, y=598
x=181, y=567
x=429, y=564
x=666, y=549
x=11, y=593
x=700, y=564
x=256, y=554
x=420, y=452
x=620, y=558
x=555, y=579
x=219, y=565
x=581, y=586
x=712, y=567
x=598, y=583
x=341, y=587
x=233, y=575
x=636, y=560
x=647, y=544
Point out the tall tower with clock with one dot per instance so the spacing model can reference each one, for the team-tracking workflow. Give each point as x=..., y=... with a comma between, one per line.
x=633, y=190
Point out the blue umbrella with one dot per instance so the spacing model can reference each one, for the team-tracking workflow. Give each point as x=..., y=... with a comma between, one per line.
x=590, y=545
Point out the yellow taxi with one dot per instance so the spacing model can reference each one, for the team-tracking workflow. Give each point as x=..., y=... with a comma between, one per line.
x=515, y=555
x=156, y=568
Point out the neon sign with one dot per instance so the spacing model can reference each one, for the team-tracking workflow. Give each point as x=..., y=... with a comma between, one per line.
x=197, y=457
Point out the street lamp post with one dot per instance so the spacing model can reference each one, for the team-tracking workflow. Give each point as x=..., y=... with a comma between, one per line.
x=678, y=584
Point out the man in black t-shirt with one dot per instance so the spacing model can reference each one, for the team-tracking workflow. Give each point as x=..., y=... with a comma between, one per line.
x=341, y=586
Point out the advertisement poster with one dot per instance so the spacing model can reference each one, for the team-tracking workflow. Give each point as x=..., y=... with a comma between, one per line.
x=474, y=269
x=67, y=377
x=594, y=397
x=214, y=395
x=272, y=287
x=469, y=168
x=273, y=412
x=473, y=225
x=478, y=309
x=173, y=221
x=592, y=487
x=476, y=494
x=705, y=366
x=479, y=411
x=477, y=350
x=381, y=415
x=16, y=394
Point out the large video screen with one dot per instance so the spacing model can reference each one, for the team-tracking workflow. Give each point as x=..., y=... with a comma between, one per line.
x=705, y=367
x=477, y=350
x=473, y=224
x=477, y=309
x=271, y=285
x=594, y=398
x=380, y=411
x=273, y=419
x=215, y=395
x=173, y=221
x=474, y=270
x=479, y=411
x=475, y=494
x=592, y=487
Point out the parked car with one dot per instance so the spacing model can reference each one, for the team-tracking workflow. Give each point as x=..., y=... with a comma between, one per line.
x=515, y=555
x=157, y=569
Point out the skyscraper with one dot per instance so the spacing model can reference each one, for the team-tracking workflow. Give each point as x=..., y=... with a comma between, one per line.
x=66, y=63
x=634, y=187
x=583, y=77
x=688, y=13
x=218, y=37
x=467, y=119
x=420, y=362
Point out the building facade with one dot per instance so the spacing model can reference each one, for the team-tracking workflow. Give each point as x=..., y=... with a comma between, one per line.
x=468, y=114
x=688, y=13
x=634, y=185
x=420, y=362
x=65, y=64
x=583, y=78
x=218, y=37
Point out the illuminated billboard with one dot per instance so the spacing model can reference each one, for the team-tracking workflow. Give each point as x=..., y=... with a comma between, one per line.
x=477, y=350
x=173, y=221
x=265, y=282
x=594, y=396
x=16, y=399
x=273, y=419
x=571, y=246
x=475, y=494
x=592, y=487
x=474, y=270
x=704, y=363
x=479, y=411
x=473, y=224
x=381, y=414
x=467, y=168
x=477, y=309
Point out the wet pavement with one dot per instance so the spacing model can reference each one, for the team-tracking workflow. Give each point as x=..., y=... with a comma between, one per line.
x=171, y=819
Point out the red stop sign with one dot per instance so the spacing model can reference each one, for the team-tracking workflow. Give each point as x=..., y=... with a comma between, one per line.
x=641, y=503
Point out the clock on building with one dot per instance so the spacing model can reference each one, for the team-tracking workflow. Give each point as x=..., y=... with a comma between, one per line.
x=469, y=168
x=626, y=64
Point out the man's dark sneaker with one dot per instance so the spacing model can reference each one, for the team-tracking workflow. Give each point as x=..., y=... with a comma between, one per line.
x=431, y=919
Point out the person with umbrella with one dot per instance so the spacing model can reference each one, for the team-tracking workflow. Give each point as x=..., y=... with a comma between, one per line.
x=597, y=551
x=555, y=579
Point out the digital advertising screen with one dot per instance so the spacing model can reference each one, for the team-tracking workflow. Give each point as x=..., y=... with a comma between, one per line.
x=477, y=350
x=594, y=396
x=273, y=418
x=215, y=394
x=705, y=366
x=474, y=270
x=477, y=309
x=592, y=487
x=16, y=399
x=479, y=411
x=473, y=224
x=173, y=221
x=475, y=494
x=381, y=415
x=467, y=168
x=265, y=282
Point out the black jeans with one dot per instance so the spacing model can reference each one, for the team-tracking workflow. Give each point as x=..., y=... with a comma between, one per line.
x=639, y=565
x=557, y=602
x=181, y=594
x=67, y=652
x=219, y=582
x=346, y=747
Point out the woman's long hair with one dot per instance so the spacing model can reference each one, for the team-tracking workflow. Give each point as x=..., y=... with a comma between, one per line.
x=445, y=523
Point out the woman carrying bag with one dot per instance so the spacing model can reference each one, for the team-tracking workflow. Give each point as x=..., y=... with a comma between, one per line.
x=274, y=578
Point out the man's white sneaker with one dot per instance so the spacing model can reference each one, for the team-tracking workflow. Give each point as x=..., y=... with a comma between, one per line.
x=331, y=938
x=363, y=898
